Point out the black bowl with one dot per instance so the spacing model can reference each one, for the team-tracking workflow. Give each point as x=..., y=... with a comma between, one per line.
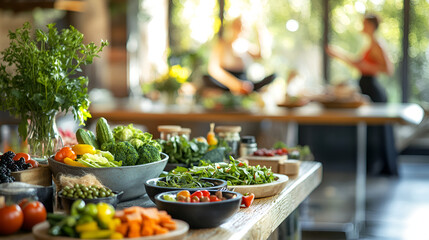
x=66, y=202
x=152, y=189
x=201, y=214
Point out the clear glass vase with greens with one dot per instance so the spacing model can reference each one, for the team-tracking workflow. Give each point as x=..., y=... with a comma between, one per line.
x=39, y=77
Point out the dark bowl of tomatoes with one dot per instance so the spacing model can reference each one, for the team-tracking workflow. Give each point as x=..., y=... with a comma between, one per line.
x=201, y=214
x=153, y=189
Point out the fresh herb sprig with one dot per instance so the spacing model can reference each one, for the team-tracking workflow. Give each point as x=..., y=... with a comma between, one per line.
x=39, y=74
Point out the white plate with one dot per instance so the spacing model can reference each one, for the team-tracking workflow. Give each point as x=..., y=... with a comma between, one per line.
x=40, y=232
x=263, y=190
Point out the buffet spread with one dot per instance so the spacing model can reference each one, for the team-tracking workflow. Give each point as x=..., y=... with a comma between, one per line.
x=205, y=187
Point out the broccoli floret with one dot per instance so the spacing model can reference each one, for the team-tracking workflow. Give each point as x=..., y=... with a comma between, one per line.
x=109, y=146
x=147, y=154
x=126, y=153
x=137, y=143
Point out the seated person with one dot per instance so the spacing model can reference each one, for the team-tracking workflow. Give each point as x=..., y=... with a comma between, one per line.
x=227, y=67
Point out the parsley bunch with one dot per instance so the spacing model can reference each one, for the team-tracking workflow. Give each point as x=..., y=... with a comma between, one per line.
x=39, y=74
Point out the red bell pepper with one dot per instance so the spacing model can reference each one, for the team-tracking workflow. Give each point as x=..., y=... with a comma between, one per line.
x=247, y=200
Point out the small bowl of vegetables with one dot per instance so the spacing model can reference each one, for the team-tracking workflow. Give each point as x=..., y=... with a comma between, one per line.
x=200, y=208
x=89, y=194
x=188, y=182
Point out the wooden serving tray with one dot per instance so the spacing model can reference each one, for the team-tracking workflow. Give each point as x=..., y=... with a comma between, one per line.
x=38, y=176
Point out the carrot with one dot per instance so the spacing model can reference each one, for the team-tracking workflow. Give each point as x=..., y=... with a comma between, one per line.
x=122, y=228
x=120, y=214
x=169, y=225
x=134, y=231
x=132, y=209
x=160, y=230
x=148, y=227
x=134, y=217
x=151, y=213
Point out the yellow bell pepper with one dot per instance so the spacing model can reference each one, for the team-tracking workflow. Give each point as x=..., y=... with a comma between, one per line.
x=71, y=162
x=96, y=234
x=113, y=223
x=116, y=235
x=81, y=149
x=87, y=227
x=105, y=212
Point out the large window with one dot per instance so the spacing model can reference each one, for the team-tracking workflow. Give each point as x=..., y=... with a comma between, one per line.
x=345, y=31
x=418, y=73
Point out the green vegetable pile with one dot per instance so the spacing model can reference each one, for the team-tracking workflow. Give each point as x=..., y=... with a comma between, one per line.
x=128, y=145
x=182, y=150
x=190, y=152
x=184, y=180
x=235, y=172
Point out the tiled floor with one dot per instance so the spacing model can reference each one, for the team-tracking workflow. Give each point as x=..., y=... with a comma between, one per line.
x=396, y=207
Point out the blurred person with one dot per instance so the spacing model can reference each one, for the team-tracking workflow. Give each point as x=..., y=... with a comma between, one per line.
x=227, y=66
x=374, y=61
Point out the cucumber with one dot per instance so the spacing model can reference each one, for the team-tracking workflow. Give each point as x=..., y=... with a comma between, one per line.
x=84, y=137
x=93, y=139
x=103, y=132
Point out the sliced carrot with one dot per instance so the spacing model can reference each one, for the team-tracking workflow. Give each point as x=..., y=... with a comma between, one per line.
x=151, y=213
x=132, y=209
x=122, y=228
x=134, y=230
x=134, y=217
x=120, y=214
x=169, y=225
x=160, y=230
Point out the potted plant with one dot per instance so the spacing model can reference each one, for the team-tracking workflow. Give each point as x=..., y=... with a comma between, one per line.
x=39, y=77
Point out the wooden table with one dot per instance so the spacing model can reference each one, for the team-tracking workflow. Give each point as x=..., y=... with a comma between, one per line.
x=313, y=113
x=258, y=221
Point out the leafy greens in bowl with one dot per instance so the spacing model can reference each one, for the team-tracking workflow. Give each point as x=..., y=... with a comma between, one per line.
x=183, y=182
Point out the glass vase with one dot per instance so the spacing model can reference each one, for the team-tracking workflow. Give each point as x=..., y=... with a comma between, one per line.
x=43, y=137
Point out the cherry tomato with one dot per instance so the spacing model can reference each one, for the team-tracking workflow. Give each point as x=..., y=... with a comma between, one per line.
x=34, y=213
x=65, y=152
x=18, y=156
x=205, y=193
x=213, y=198
x=197, y=194
x=11, y=219
x=33, y=163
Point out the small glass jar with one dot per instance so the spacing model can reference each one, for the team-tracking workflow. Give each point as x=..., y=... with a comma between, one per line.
x=185, y=132
x=231, y=135
x=248, y=146
x=168, y=131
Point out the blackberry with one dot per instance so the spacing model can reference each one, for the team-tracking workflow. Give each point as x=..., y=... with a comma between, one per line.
x=14, y=168
x=25, y=166
x=8, y=155
x=7, y=162
x=20, y=162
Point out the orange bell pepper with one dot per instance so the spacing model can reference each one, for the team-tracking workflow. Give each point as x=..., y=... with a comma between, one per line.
x=65, y=152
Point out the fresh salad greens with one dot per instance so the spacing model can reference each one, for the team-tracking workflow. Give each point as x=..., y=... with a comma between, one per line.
x=184, y=180
x=235, y=172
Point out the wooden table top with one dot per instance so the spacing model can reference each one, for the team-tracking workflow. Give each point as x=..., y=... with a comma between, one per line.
x=313, y=113
x=266, y=214
x=262, y=218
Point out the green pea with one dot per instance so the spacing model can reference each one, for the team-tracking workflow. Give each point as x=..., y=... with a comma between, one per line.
x=76, y=185
x=102, y=194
